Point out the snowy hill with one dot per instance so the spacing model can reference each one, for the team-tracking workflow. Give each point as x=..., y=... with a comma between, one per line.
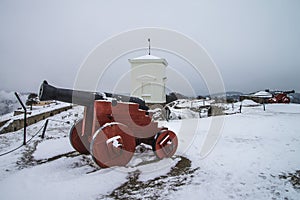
x=229, y=96
x=9, y=102
x=256, y=157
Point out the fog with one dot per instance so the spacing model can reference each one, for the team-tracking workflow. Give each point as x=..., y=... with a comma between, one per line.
x=255, y=44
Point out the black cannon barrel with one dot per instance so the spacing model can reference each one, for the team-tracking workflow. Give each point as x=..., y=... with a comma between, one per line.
x=289, y=92
x=49, y=92
x=84, y=98
x=282, y=92
x=124, y=98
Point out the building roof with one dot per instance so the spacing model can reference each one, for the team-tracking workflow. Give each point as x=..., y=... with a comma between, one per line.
x=149, y=59
x=263, y=94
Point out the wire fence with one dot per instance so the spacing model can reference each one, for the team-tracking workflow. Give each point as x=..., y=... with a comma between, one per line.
x=42, y=128
x=28, y=141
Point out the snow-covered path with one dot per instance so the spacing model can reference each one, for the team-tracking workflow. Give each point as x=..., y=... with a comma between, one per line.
x=254, y=149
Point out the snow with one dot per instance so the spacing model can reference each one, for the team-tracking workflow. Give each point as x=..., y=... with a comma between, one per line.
x=6, y=116
x=263, y=94
x=58, y=180
x=36, y=110
x=147, y=57
x=248, y=102
x=254, y=148
x=184, y=113
x=187, y=108
x=189, y=103
x=59, y=146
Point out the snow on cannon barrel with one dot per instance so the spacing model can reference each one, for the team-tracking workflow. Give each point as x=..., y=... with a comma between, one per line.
x=112, y=126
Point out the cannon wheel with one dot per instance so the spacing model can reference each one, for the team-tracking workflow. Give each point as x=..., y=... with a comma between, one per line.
x=112, y=145
x=286, y=100
x=165, y=144
x=78, y=141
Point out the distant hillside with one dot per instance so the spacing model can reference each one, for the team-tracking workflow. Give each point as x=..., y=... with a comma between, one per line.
x=9, y=102
x=229, y=96
x=295, y=97
x=230, y=93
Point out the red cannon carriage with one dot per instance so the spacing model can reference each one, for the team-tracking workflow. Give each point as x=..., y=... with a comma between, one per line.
x=110, y=129
x=280, y=96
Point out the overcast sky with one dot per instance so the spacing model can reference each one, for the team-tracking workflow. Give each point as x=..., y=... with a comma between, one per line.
x=254, y=43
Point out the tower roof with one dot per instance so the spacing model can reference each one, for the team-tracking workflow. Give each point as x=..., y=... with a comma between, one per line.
x=149, y=59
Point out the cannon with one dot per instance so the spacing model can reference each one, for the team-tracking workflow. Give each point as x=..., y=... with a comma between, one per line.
x=112, y=126
x=281, y=97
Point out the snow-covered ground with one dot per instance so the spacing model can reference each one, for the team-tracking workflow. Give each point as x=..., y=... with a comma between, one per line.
x=255, y=149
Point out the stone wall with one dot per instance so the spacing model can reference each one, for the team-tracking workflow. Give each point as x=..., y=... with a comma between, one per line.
x=18, y=124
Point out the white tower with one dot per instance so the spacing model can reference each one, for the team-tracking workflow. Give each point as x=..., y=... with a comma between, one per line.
x=148, y=78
